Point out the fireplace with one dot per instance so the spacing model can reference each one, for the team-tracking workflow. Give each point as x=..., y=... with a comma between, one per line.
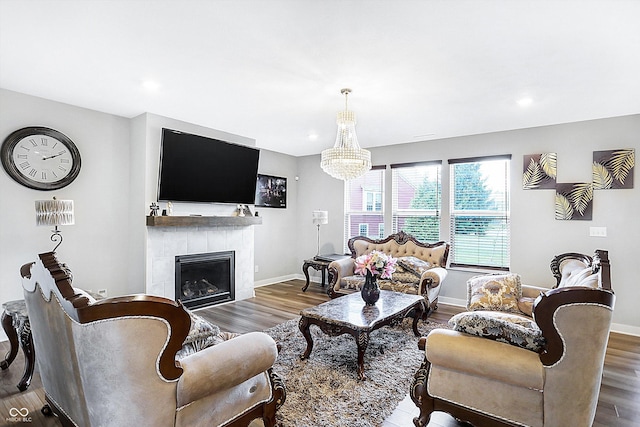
x=205, y=279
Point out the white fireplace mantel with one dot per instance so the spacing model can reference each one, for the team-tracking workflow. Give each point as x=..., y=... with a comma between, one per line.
x=170, y=236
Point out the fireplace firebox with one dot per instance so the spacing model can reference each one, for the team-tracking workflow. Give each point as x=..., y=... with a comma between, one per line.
x=205, y=279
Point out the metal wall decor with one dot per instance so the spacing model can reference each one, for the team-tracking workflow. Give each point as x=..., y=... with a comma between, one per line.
x=574, y=201
x=613, y=169
x=539, y=171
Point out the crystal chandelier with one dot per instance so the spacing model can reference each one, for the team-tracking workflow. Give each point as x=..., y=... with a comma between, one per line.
x=346, y=160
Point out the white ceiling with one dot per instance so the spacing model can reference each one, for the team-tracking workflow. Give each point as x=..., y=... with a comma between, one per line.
x=273, y=69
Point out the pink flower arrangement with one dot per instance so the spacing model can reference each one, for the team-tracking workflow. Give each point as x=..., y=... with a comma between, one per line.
x=378, y=263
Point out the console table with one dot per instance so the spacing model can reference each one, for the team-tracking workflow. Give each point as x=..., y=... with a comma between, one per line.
x=319, y=263
x=15, y=322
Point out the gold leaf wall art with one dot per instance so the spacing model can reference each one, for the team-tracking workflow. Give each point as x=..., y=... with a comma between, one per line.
x=613, y=169
x=574, y=201
x=539, y=171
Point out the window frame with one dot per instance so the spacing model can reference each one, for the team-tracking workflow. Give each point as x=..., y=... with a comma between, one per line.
x=435, y=213
x=502, y=213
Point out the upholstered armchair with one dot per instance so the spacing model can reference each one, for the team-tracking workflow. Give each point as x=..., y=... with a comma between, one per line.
x=113, y=362
x=540, y=371
x=420, y=270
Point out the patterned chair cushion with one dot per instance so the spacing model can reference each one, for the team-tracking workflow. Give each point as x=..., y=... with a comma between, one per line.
x=508, y=328
x=414, y=265
x=355, y=283
x=499, y=292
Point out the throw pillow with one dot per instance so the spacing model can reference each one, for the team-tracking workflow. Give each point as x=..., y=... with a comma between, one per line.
x=582, y=277
x=414, y=265
x=494, y=292
x=202, y=334
x=503, y=327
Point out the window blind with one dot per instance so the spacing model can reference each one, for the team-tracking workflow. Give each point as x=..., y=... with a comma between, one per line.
x=480, y=217
x=416, y=197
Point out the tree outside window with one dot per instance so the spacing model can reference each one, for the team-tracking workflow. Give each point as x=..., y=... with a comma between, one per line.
x=417, y=198
x=480, y=217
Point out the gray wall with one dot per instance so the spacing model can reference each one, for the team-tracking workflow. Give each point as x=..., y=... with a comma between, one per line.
x=536, y=235
x=105, y=248
x=97, y=245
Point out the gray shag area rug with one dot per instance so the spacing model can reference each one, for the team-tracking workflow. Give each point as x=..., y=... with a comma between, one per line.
x=324, y=390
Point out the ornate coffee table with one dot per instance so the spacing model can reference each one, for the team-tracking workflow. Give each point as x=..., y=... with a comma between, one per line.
x=349, y=315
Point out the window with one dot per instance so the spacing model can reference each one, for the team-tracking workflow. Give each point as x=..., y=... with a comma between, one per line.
x=417, y=199
x=373, y=201
x=363, y=229
x=364, y=206
x=480, y=235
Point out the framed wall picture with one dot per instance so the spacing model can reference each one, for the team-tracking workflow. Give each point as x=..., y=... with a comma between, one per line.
x=271, y=191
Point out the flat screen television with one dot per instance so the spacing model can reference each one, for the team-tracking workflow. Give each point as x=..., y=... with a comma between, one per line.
x=195, y=168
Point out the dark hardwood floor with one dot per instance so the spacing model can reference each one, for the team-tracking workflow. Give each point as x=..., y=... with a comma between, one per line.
x=618, y=405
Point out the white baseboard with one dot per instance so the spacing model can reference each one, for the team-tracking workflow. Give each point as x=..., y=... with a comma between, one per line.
x=273, y=280
x=625, y=329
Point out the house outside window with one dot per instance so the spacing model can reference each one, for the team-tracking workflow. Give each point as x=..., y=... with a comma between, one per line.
x=480, y=217
x=364, y=229
x=417, y=198
x=373, y=201
x=364, y=205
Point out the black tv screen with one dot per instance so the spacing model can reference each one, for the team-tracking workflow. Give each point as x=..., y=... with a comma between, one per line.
x=199, y=169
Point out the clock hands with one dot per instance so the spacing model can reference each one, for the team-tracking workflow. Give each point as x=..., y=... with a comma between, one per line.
x=55, y=155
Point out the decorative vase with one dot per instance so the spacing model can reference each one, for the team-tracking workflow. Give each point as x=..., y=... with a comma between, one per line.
x=370, y=291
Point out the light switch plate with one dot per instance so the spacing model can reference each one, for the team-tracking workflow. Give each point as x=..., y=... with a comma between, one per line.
x=598, y=231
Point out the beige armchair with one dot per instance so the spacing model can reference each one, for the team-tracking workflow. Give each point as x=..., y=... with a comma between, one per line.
x=420, y=270
x=501, y=382
x=113, y=362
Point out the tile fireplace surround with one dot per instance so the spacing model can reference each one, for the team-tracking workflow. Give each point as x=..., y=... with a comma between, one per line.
x=165, y=242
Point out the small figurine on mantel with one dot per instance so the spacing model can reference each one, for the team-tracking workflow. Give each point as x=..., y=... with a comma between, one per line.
x=169, y=208
x=154, y=209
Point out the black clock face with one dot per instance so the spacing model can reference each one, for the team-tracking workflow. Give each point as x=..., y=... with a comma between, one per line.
x=40, y=158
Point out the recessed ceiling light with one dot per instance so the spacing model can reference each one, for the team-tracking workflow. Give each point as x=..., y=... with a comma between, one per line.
x=312, y=136
x=525, y=101
x=150, y=85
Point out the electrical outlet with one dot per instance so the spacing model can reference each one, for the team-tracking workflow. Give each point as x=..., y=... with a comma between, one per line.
x=598, y=231
x=256, y=269
x=102, y=292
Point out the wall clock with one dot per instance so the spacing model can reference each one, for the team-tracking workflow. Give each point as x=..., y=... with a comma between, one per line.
x=40, y=158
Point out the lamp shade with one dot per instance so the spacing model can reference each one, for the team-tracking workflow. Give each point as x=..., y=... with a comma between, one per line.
x=320, y=217
x=54, y=212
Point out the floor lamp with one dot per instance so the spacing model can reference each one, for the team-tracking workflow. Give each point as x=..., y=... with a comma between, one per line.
x=320, y=217
x=54, y=212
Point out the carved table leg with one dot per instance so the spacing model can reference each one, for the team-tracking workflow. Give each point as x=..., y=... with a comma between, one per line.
x=362, y=339
x=26, y=343
x=305, y=270
x=304, y=328
x=418, y=315
x=7, y=325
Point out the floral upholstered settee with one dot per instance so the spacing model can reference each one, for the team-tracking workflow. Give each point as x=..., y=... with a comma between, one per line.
x=420, y=267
